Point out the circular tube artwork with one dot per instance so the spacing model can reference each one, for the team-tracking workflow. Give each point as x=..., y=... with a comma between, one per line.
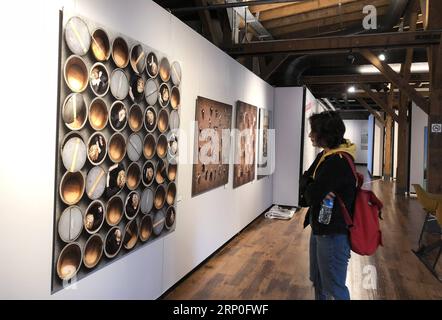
x=116, y=181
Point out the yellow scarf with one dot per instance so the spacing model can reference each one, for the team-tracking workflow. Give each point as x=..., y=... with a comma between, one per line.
x=347, y=146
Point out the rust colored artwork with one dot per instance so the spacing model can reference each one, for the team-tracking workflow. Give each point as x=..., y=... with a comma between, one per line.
x=246, y=120
x=212, y=145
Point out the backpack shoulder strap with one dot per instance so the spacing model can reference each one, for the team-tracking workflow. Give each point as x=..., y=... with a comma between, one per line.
x=351, y=163
x=359, y=178
x=347, y=217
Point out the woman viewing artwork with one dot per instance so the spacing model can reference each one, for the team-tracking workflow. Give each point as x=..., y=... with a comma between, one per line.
x=329, y=175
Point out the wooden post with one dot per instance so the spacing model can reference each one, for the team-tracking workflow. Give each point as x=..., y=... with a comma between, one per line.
x=388, y=150
x=434, y=165
x=403, y=165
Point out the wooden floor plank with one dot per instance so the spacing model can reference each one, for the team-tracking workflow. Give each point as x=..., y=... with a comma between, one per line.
x=269, y=260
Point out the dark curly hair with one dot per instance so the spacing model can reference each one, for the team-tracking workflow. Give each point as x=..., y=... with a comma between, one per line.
x=328, y=129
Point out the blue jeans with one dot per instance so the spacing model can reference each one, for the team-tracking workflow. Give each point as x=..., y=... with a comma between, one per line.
x=329, y=255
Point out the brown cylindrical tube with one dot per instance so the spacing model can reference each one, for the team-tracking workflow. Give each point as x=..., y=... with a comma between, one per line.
x=160, y=197
x=171, y=193
x=120, y=52
x=135, y=118
x=117, y=147
x=100, y=45
x=98, y=114
x=69, y=261
x=149, y=146
x=162, y=146
x=137, y=58
x=145, y=228
x=133, y=178
x=93, y=251
x=161, y=171
x=76, y=74
x=164, y=69
x=172, y=169
x=130, y=235
x=163, y=120
x=175, y=98
x=114, y=210
x=72, y=187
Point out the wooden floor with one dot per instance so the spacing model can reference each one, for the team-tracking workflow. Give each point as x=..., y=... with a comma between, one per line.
x=269, y=260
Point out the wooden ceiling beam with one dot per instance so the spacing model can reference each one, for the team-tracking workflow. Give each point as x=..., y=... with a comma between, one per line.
x=371, y=110
x=380, y=102
x=273, y=66
x=299, y=8
x=336, y=12
x=266, y=7
x=396, y=79
x=321, y=23
x=335, y=44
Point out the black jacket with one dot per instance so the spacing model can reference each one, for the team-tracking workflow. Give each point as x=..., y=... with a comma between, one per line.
x=333, y=174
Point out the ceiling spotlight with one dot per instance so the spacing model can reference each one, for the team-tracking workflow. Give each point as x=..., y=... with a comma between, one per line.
x=351, y=89
x=382, y=57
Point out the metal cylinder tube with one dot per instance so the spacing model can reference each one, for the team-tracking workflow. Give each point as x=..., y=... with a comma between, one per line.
x=120, y=52
x=97, y=148
x=135, y=118
x=93, y=251
x=98, y=114
x=74, y=111
x=117, y=147
x=76, y=74
x=146, y=228
x=133, y=176
x=72, y=187
x=69, y=261
x=114, y=210
x=100, y=45
x=94, y=216
x=160, y=197
x=113, y=242
x=130, y=235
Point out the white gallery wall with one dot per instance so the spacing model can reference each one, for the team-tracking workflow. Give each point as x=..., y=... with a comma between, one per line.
x=311, y=107
x=419, y=120
x=27, y=175
x=355, y=131
x=375, y=147
x=287, y=120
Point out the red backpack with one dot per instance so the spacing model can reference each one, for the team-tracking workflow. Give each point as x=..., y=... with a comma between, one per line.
x=364, y=230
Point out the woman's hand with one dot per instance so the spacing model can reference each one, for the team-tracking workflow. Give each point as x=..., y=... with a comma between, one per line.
x=330, y=196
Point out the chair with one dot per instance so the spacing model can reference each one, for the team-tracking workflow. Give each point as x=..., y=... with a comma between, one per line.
x=432, y=204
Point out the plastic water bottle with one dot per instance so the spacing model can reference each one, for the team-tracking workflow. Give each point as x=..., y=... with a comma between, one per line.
x=326, y=211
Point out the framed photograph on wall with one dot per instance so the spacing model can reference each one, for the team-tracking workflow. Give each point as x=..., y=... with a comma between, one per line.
x=265, y=155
